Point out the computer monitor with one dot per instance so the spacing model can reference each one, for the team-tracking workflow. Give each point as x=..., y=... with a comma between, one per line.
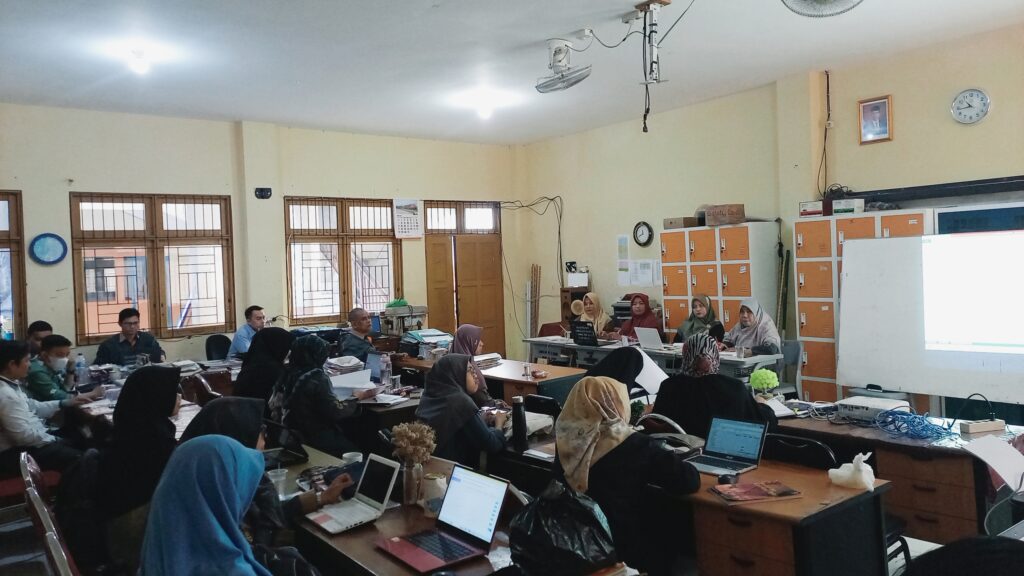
x=373, y=365
x=374, y=324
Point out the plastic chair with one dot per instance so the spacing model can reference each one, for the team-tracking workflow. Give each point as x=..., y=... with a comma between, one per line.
x=59, y=560
x=659, y=424
x=196, y=389
x=217, y=346
x=35, y=477
x=792, y=355
x=40, y=513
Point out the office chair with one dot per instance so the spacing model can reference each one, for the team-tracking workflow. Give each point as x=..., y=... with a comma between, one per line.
x=542, y=405
x=792, y=355
x=658, y=424
x=196, y=389
x=217, y=346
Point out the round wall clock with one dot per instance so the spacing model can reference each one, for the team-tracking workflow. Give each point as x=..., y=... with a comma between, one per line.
x=970, y=106
x=643, y=234
x=48, y=248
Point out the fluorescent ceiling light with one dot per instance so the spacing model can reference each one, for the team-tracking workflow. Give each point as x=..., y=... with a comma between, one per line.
x=138, y=53
x=484, y=100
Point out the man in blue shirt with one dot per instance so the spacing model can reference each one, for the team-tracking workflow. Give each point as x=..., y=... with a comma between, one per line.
x=254, y=321
x=122, y=348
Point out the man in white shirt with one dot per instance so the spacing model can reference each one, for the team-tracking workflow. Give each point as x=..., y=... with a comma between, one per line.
x=255, y=319
x=22, y=419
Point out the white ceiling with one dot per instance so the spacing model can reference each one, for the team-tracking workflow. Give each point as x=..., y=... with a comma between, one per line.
x=389, y=67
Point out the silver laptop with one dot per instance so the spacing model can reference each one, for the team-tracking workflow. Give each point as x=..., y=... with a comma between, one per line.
x=369, y=502
x=733, y=446
x=650, y=339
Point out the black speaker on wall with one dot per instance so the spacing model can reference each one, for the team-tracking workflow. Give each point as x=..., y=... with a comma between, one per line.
x=263, y=193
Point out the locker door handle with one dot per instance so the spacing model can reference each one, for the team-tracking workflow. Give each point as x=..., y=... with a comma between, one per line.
x=803, y=318
x=800, y=280
x=668, y=313
x=664, y=250
x=725, y=280
x=885, y=232
x=804, y=359
x=842, y=236
x=693, y=279
x=799, y=240
x=725, y=315
x=722, y=245
x=692, y=248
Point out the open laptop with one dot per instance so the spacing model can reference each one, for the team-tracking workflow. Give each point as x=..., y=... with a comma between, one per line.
x=465, y=524
x=733, y=446
x=650, y=339
x=583, y=334
x=283, y=447
x=367, y=505
x=373, y=365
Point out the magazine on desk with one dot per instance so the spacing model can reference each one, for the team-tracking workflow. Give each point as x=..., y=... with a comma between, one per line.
x=748, y=493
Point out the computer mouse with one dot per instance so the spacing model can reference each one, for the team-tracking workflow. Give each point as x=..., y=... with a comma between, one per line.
x=728, y=478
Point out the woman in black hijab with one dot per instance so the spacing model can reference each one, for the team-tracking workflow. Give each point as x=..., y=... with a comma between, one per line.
x=624, y=365
x=448, y=408
x=263, y=363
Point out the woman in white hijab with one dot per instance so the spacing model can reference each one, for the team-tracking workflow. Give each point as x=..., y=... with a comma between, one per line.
x=755, y=330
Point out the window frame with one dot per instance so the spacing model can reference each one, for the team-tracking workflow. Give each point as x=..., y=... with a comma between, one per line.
x=460, y=207
x=13, y=239
x=343, y=236
x=152, y=240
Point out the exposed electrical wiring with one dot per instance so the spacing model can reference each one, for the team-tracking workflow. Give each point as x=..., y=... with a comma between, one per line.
x=670, y=28
x=539, y=206
x=824, y=140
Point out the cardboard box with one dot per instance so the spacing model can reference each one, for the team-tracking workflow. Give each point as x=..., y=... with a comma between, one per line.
x=680, y=222
x=808, y=209
x=725, y=214
x=848, y=206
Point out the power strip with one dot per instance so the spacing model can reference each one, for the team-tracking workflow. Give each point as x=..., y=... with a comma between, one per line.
x=968, y=427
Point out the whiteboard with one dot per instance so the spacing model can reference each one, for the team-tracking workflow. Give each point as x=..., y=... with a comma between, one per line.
x=935, y=315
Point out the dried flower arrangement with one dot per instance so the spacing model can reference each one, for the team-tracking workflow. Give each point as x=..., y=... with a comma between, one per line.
x=414, y=442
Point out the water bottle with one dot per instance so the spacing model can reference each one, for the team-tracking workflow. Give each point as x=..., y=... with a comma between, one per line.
x=385, y=369
x=519, y=442
x=81, y=370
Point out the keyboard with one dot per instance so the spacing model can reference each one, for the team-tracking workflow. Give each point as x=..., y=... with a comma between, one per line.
x=713, y=462
x=439, y=545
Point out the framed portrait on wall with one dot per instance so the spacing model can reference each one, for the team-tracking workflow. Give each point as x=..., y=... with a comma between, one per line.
x=875, y=120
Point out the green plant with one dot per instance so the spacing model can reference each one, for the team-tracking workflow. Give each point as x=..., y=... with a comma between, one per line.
x=763, y=380
x=636, y=410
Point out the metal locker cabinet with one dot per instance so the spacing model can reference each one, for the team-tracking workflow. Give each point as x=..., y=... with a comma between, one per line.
x=816, y=319
x=813, y=239
x=850, y=228
x=701, y=245
x=677, y=310
x=675, y=280
x=730, y=313
x=903, y=225
x=734, y=243
x=673, y=246
x=819, y=360
x=704, y=279
x=814, y=279
x=736, y=280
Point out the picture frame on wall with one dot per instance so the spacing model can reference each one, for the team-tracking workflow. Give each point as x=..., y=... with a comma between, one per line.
x=875, y=116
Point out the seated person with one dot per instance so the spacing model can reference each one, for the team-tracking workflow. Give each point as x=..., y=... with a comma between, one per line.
x=304, y=400
x=701, y=319
x=51, y=376
x=595, y=314
x=194, y=524
x=36, y=332
x=447, y=406
x=469, y=341
x=254, y=321
x=624, y=365
x=599, y=454
x=263, y=363
x=122, y=348
x=22, y=419
x=699, y=393
x=642, y=317
x=357, y=342
x=755, y=330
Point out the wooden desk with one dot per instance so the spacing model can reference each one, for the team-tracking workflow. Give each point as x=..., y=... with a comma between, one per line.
x=413, y=363
x=105, y=410
x=509, y=373
x=374, y=418
x=355, y=551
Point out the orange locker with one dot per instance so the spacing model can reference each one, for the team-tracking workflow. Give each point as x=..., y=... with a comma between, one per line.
x=813, y=239
x=673, y=246
x=814, y=279
x=701, y=244
x=902, y=225
x=819, y=359
x=736, y=279
x=704, y=279
x=734, y=243
x=730, y=313
x=817, y=319
x=676, y=312
x=675, y=280
x=815, y=391
x=850, y=228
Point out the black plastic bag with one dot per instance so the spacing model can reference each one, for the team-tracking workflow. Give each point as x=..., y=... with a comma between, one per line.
x=561, y=533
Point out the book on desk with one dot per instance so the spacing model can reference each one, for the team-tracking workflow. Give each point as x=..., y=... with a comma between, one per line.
x=751, y=492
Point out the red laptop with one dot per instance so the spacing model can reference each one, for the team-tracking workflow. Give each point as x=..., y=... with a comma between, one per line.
x=465, y=525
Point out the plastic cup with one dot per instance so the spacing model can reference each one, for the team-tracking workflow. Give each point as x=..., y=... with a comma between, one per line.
x=350, y=457
x=279, y=478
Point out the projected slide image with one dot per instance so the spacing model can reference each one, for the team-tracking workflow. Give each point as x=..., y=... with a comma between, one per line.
x=972, y=293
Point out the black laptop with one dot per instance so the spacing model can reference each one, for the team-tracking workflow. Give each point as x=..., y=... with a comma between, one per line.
x=583, y=334
x=282, y=447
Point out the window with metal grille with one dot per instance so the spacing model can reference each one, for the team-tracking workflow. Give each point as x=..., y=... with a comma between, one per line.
x=459, y=217
x=342, y=254
x=124, y=244
x=12, y=263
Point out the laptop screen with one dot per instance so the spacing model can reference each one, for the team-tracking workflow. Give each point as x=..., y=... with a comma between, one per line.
x=472, y=503
x=373, y=364
x=735, y=439
x=376, y=481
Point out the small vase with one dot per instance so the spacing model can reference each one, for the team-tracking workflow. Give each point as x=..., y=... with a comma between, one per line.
x=412, y=483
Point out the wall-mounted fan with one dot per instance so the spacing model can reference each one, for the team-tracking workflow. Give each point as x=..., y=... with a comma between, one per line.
x=821, y=8
x=563, y=75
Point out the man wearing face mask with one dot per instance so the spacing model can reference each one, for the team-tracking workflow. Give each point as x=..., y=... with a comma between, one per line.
x=50, y=375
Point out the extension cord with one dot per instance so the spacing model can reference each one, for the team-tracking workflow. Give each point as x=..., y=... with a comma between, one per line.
x=995, y=425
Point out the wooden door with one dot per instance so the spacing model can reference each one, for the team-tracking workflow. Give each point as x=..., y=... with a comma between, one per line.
x=736, y=280
x=673, y=246
x=734, y=243
x=851, y=228
x=813, y=239
x=817, y=319
x=704, y=279
x=898, y=225
x=677, y=310
x=440, y=283
x=701, y=244
x=814, y=279
x=478, y=286
x=730, y=313
x=675, y=280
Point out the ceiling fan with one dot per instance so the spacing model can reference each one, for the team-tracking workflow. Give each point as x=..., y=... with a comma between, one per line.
x=821, y=8
x=563, y=75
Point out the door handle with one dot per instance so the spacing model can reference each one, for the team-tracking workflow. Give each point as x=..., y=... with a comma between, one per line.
x=691, y=247
x=804, y=358
x=803, y=318
x=842, y=236
x=664, y=250
x=721, y=245
x=800, y=280
x=725, y=280
x=693, y=279
x=800, y=240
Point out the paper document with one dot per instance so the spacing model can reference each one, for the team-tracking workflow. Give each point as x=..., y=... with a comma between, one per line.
x=353, y=381
x=1001, y=457
x=781, y=410
x=385, y=400
x=539, y=454
x=651, y=376
x=345, y=362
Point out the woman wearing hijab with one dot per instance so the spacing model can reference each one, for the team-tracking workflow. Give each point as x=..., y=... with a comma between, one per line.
x=623, y=364
x=447, y=407
x=469, y=341
x=642, y=316
x=303, y=399
x=601, y=456
x=755, y=330
x=701, y=319
x=197, y=509
x=594, y=313
x=699, y=393
x=242, y=419
x=263, y=364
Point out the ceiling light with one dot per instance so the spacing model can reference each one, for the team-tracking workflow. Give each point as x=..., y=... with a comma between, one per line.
x=484, y=100
x=139, y=54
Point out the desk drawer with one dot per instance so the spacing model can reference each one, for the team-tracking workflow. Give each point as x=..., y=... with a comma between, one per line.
x=933, y=527
x=955, y=470
x=517, y=389
x=757, y=536
x=726, y=561
x=925, y=496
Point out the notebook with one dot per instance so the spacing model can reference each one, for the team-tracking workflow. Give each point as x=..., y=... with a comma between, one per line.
x=732, y=447
x=465, y=524
x=370, y=499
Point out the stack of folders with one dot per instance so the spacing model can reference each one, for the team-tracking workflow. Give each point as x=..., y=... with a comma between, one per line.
x=485, y=361
x=344, y=364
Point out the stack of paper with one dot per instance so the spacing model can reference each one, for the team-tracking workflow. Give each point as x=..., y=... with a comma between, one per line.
x=485, y=361
x=344, y=364
x=349, y=383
